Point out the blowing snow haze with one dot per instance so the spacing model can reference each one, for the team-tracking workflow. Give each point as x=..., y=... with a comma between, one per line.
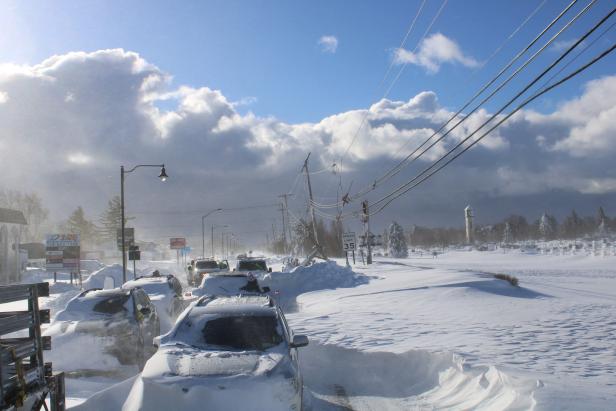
x=233, y=115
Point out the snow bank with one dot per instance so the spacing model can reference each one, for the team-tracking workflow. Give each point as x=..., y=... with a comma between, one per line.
x=415, y=379
x=325, y=275
x=114, y=271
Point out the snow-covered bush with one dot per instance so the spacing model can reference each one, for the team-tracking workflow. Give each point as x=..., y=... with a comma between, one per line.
x=397, y=243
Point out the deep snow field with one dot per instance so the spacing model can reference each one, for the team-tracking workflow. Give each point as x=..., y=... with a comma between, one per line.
x=434, y=333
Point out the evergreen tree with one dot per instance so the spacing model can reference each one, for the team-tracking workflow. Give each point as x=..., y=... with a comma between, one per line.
x=547, y=226
x=111, y=219
x=572, y=226
x=78, y=224
x=507, y=234
x=603, y=223
x=397, y=242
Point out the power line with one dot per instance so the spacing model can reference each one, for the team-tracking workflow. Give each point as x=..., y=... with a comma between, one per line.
x=408, y=160
x=526, y=102
x=365, y=116
x=405, y=187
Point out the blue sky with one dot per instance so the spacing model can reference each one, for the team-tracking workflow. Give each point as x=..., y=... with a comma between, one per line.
x=269, y=49
x=76, y=118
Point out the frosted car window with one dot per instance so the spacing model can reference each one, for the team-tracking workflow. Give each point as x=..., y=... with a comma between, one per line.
x=111, y=305
x=253, y=266
x=206, y=264
x=243, y=332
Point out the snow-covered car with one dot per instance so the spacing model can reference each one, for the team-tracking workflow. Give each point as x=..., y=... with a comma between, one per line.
x=100, y=329
x=224, y=353
x=165, y=292
x=203, y=266
x=229, y=284
x=252, y=265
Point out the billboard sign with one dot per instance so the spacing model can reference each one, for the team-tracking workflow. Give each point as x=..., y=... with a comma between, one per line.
x=62, y=251
x=177, y=243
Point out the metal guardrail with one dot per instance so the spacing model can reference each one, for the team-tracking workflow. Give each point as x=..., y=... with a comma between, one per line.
x=25, y=379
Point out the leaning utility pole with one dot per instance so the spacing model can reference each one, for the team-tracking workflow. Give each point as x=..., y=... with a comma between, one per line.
x=317, y=250
x=367, y=236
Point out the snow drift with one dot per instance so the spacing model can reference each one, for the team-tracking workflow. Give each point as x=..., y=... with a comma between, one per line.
x=325, y=275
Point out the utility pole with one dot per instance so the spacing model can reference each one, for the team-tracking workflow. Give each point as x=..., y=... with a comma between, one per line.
x=366, y=220
x=212, y=241
x=286, y=226
x=317, y=245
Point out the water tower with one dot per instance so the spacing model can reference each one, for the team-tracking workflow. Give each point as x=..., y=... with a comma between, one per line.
x=468, y=218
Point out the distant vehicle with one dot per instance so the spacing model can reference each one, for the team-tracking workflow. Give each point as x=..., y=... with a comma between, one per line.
x=227, y=352
x=165, y=292
x=252, y=264
x=229, y=285
x=123, y=321
x=202, y=266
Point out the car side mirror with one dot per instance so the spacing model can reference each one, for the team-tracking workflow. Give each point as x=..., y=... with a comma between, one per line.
x=269, y=270
x=299, y=341
x=156, y=341
x=266, y=289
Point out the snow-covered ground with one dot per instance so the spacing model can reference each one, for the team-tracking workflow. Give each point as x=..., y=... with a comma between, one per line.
x=437, y=333
x=550, y=343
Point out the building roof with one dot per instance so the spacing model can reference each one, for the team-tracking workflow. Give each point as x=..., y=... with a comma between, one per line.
x=10, y=216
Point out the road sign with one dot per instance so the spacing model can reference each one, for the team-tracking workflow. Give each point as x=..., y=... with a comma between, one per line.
x=129, y=237
x=349, y=241
x=134, y=254
x=177, y=243
x=62, y=251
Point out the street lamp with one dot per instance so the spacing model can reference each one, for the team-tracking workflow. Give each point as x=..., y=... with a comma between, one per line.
x=203, y=231
x=212, y=239
x=163, y=177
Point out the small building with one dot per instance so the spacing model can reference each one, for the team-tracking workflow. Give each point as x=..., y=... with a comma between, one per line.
x=11, y=225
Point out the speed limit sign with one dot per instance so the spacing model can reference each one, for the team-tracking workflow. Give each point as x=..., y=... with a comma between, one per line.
x=349, y=242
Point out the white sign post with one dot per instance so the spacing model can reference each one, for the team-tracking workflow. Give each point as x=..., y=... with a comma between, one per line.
x=349, y=243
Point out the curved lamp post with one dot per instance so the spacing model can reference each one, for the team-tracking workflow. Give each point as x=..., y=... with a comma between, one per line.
x=163, y=177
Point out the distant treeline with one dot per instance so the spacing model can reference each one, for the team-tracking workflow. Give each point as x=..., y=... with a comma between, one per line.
x=518, y=228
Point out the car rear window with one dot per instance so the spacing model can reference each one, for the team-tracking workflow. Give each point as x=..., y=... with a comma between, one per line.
x=243, y=332
x=253, y=266
x=206, y=264
x=111, y=305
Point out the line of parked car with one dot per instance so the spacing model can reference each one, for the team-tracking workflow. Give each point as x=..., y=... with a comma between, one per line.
x=230, y=345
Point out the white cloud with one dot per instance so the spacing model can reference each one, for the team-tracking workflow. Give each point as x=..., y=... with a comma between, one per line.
x=434, y=51
x=562, y=45
x=329, y=44
x=209, y=147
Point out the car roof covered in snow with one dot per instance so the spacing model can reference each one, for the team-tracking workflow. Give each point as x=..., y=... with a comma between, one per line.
x=96, y=293
x=240, y=304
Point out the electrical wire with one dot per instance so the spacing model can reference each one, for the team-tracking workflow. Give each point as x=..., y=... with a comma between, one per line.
x=388, y=199
x=401, y=164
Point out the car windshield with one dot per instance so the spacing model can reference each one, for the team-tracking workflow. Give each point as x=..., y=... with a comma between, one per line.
x=256, y=265
x=243, y=332
x=111, y=305
x=206, y=264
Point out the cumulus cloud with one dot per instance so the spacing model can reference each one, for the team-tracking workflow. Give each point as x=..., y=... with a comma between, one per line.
x=434, y=51
x=328, y=44
x=70, y=149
